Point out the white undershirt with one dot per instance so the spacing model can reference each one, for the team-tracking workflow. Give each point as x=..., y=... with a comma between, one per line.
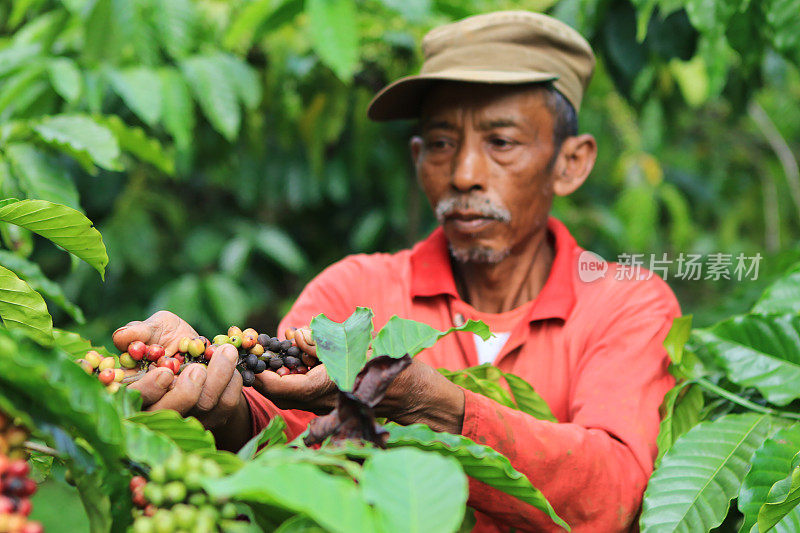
x=488, y=350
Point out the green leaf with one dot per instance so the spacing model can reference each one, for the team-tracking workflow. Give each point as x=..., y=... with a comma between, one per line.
x=82, y=138
x=259, y=15
x=178, y=109
x=244, y=79
x=188, y=433
x=401, y=336
x=14, y=89
x=771, y=462
x=140, y=89
x=490, y=388
x=479, y=462
x=271, y=435
x=215, y=92
x=12, y=57
x=135, y=141
x=677, y=337
x=40, y=177
x=486, y=380
x=276, y=244
x=226, y=298
x=782, y=499
x=697, y=478
x=414, y=491
x=334, y=502
x=75, y=345
x=680, y=412
x=55, y=393
x=147, y=446
x=783, y=296
x=335, y=34
x=415, y=12
x=784, y=25
x=527, y=399
x=177, y=24
x=759, y=351
x=63, y=225
x=65, y=78
x=343, y=347
x=23, y=309
x=299, y=524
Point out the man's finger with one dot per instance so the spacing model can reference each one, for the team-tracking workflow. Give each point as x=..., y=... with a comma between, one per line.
x=312, y=392
x=154, y=385
x=220, y=371
x=186, y=392
x=132, y=331
x=227, y=403
x=305, y=341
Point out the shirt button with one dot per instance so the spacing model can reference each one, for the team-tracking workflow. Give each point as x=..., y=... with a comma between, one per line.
x=459, y=320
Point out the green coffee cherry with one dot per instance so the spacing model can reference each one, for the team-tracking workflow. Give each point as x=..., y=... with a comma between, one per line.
x=158, y=474
x=175, y=492
x=127, y=361
x=220, y=340
x=154, y=494
x=229, y=511
x=144, y=524
x=164, y=521
x=184, y=516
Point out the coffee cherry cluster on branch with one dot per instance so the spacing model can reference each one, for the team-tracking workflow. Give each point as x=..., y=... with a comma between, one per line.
x=172, y=499
x=16, y=488
x=257, y=353
x=106, y=369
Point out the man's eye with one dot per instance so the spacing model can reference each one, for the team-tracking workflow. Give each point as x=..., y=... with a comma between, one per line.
x=501, y=143
x=438, y=144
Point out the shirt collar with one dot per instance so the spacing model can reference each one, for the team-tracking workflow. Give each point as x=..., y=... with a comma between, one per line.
x=432, y=274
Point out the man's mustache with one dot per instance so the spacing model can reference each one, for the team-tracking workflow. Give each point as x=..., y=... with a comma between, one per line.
x=479, y=206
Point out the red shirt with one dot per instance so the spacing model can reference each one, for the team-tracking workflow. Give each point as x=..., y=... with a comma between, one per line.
x=593, y=350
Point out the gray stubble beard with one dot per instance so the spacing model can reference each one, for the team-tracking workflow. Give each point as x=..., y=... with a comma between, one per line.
x=482, y=206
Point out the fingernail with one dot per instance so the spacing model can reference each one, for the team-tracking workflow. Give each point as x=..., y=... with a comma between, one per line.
x=164, y=378
x=197, y=374
x=118, y=330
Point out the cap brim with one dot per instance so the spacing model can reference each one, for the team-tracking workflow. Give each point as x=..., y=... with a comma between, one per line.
x=403, y=98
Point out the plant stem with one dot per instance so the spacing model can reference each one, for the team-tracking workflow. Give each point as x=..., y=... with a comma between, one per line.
x=41, y=448
x=735, y=398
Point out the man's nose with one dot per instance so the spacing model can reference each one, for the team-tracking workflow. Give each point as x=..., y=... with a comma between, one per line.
x=469, y=169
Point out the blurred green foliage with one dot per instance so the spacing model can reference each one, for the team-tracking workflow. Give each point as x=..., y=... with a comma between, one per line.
x=223, y=150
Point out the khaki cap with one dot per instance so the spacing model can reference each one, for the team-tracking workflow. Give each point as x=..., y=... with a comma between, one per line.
x=505, y=47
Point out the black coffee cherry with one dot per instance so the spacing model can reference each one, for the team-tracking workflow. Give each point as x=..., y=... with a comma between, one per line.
x=248, y=378
x=291, y=362
x=251, y=361
x=275, y=362
x=263, y=340
x=260, y=366
x=285, y=345
x=294, y=351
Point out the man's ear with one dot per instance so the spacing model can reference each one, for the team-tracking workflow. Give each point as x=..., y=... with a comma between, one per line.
x=574, y=163
x=415, y=144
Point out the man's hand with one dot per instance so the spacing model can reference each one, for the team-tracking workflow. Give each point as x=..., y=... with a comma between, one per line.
x=213, y=394
x=419, y=394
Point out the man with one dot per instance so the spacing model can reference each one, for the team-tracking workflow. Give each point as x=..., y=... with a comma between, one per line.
x=496, y=104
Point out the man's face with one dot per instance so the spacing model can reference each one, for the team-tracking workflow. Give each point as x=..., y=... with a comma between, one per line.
x=482, y=159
